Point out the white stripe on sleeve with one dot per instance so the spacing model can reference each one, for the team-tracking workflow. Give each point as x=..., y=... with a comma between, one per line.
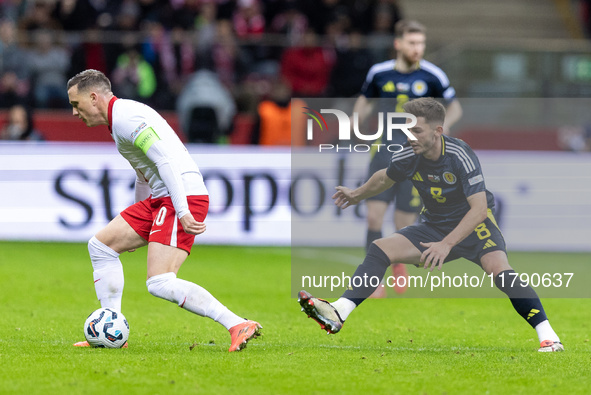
x=464, y=158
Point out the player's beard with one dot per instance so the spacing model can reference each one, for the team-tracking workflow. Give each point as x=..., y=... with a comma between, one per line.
x=425, y=148
x=411, y=60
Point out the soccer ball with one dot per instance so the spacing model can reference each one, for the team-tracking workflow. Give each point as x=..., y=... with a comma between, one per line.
x=106, y=328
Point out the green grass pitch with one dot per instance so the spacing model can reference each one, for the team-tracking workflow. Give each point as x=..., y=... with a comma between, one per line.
x=393, y=346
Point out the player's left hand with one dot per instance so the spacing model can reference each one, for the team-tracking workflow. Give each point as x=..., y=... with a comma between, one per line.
x=435, y=254
x=191, y=226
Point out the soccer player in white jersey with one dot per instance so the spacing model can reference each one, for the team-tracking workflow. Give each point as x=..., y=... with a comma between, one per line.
x=171, y=205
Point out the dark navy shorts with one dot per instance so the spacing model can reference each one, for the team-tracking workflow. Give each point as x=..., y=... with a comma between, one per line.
x=486, y=238
x=404, y=194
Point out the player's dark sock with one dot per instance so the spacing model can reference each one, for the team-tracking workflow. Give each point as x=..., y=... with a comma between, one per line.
x=523, y=297
x=371, y=271
x=372, y=235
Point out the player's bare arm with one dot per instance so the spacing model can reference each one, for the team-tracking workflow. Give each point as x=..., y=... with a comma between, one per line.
x=363, y=107
x=436, y=253
x=378, y=183
x=453, y=114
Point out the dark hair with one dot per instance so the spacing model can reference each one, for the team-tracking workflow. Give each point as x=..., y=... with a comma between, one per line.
x=90, y=79
x=426, y=107
x=408, y=26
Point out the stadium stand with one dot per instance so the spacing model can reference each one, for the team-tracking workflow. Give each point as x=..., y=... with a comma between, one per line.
x=151, y=49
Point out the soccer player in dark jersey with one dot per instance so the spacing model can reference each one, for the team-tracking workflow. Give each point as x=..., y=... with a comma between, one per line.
x=407, y=77
x=457, y=221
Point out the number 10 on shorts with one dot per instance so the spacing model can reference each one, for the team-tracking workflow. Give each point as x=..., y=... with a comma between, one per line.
x=160, y=217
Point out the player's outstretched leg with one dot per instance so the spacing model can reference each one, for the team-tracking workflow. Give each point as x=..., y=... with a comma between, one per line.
x=527, y=304
x=198, y=300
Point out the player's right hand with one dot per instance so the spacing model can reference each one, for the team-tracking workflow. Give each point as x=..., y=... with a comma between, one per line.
x=343, y=197
x=191, y=226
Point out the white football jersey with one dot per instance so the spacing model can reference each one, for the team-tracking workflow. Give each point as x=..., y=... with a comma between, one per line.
x=155, y=151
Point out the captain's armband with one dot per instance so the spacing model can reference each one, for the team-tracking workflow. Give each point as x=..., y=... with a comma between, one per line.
x=145, y=139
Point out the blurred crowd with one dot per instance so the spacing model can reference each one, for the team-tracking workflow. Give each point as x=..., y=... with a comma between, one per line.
x=206, y=59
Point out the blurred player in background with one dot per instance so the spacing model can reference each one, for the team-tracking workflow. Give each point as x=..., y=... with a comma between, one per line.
x=457, y=222
x=407, y=77
x=171, y=205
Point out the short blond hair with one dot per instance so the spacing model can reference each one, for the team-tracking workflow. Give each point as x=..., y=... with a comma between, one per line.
x=90, y=79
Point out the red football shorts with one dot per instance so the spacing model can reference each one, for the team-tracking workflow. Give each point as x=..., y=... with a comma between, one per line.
x=156, y=220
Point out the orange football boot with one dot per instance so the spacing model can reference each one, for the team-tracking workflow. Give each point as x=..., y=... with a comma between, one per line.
x=242, y=333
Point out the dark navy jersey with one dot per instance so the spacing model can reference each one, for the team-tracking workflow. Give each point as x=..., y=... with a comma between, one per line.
x=384, y=81
x=444, y=184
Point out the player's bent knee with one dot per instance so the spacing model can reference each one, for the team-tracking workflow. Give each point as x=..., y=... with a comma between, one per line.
x=100, y=254
x=376, y=249
x=495, y=262
x=399, y=249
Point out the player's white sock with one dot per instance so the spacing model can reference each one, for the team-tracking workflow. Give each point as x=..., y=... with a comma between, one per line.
x=108, y=274
x=344, y=307
x=191, y=297
x=545, y=332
